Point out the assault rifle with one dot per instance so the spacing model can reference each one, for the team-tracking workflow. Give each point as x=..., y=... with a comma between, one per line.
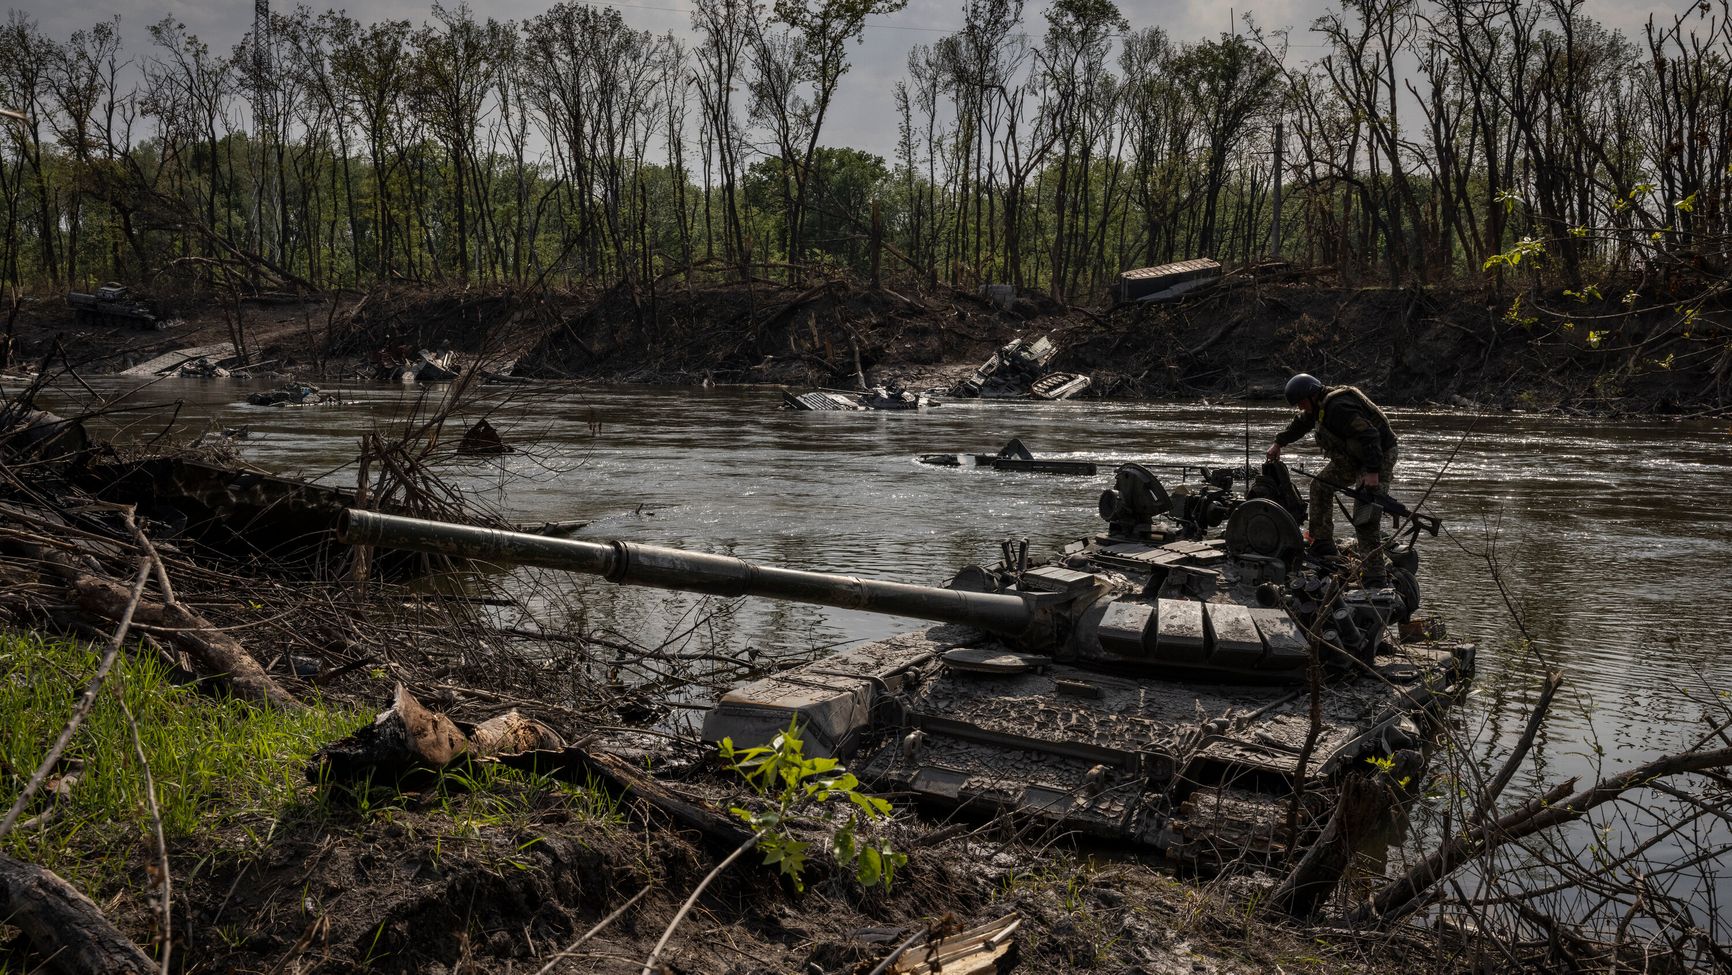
x=1395, y=509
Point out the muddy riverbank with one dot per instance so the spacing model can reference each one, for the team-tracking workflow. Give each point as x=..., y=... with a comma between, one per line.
x=1546, y=352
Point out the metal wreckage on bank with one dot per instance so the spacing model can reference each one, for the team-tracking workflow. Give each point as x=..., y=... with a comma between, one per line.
x=1018, y=370
x=1149, y=684
x=114, y=304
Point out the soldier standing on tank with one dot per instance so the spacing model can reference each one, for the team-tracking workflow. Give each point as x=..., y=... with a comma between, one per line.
x=1355, y=435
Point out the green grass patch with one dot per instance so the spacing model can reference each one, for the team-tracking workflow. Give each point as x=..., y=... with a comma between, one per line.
x=219, y=765
x=472, y=801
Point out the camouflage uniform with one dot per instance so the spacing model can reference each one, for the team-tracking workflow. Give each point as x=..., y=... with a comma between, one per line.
x=1355, y=435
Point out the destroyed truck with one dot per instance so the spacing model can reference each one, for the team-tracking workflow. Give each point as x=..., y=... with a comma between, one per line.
x=113, y=304
x=1019, y=369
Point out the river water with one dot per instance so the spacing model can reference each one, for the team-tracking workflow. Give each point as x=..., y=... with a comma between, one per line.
x=1613, y=540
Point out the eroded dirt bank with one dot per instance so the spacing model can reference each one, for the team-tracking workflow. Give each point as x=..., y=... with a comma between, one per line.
x=1410, y=346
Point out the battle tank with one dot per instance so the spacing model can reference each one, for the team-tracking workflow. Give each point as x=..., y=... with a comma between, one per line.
x=113, y=304
x=1151, y=684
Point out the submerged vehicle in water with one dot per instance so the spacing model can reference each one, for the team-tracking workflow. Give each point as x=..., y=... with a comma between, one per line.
x=1019, y=369
x=1014, y=456
x=876, y=398
x=1150, y=684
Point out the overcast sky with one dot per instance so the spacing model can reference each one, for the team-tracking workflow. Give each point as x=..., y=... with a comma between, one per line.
x=863, y=115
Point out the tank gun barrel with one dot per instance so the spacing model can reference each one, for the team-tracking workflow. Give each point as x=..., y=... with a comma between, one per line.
x=631, y=563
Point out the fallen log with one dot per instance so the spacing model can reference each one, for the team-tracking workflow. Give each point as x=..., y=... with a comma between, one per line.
x=63, y=926
x=215, y=654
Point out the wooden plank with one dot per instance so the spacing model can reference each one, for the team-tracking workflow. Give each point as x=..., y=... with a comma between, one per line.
x=971, y=952
x=174, y=360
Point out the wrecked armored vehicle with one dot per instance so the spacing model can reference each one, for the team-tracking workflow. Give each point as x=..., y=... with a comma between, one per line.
x=293, y=394
x=399, y=366
x=876, y=398
x=1149, y=685
x=1013, y=456
x=1019, y=369
x=113, y=304
x=1167, y=282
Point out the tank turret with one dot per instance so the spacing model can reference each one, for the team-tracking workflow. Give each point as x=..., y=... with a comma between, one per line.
x=1146, y=597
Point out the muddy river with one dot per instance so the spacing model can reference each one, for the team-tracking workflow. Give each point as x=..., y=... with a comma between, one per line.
x=1613, y=540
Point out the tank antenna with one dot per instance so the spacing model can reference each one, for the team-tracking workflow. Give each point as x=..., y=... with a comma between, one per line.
x=1245, y=407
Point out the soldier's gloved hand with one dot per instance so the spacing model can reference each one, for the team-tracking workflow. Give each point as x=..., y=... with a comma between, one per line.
x=1368, y=480
x=1274, y=452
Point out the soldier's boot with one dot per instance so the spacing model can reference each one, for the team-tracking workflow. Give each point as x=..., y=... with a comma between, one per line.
x=1373, y=563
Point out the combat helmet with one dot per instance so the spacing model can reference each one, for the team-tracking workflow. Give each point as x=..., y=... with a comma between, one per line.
x=1303, y=387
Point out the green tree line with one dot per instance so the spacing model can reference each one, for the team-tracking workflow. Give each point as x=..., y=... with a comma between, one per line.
x=1423, y=139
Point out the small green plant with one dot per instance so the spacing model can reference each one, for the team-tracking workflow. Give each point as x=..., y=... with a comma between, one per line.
x=1385, y=766
x=1516, y=316
x=1527, y=247
x=792, y=786
x=1510, y=200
